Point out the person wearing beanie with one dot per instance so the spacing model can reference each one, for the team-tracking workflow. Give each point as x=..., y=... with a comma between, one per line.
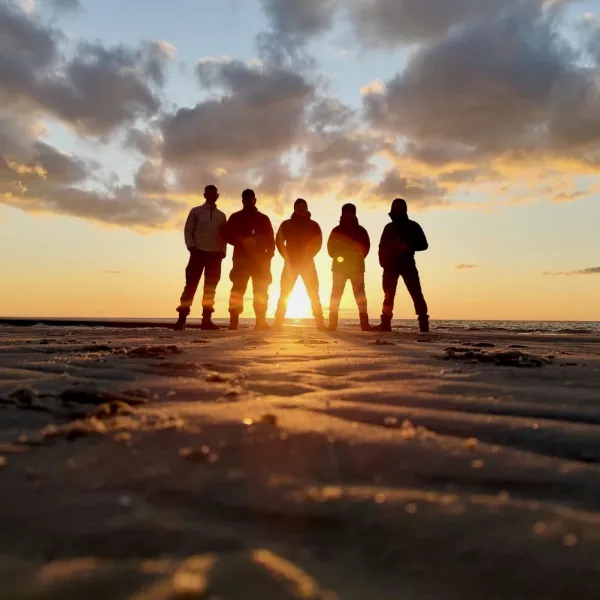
x=207, y=248
x=348, y=246
x=251, y=234
x=399, y=241
x=299, y=240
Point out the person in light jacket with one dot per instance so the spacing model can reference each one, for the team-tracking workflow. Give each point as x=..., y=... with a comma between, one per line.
x=206, y=245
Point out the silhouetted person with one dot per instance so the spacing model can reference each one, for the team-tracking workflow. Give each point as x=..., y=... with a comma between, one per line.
x=400, y=240
x=251, y=234
x=299, y=240
x=348, y=246
x=204, y=240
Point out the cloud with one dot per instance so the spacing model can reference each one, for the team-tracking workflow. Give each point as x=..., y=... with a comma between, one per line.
x=419, y=192
x=465, y=267
x=503, y=96
x=589, y=271
x=259, y=113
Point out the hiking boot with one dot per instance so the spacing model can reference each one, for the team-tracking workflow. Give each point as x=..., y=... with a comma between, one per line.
x=364, y=322
x=181, y=320
x=261, y=323
x=333, y=321
x=234, y=321
x=424, y=323
x=320, y=322
x=207, y=324
x=385, y=325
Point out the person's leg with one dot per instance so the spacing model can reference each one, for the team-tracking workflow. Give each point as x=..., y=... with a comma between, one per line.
x=261, y=280
x=212, y=276
x=239, y=277
x=390, y=285
x=288, y=280
x=193, y=273
x=337, y=291
x=311, y=282
x=360, y=295
x=413, y=285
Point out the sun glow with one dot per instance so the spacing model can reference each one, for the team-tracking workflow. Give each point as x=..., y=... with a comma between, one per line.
x=299, y=303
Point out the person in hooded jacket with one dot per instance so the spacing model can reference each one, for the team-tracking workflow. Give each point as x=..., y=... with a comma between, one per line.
x=251, y=234
x=400, y=240
x=299, y=240
x=204, y=241
x=348, y=246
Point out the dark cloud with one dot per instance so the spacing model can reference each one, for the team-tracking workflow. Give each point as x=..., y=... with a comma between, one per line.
x=589, y=271
x=419, y=192
x=465, y=267
x=259, y=114
x=64, y=5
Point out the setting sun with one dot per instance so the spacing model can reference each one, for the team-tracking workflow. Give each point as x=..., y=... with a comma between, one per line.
x=299, y=303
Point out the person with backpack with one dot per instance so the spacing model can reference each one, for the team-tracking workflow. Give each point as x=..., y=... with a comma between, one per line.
x=400, y=240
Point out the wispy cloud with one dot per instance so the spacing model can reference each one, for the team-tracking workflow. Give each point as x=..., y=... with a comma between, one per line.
x=588, y=271
x=464, y=267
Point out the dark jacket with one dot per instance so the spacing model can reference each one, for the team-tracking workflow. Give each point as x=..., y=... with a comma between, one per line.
x=299, y=239
x=401, y=231
x=244, y=225
x=349, y=245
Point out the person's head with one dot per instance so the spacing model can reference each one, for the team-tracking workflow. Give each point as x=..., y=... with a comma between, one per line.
x=248, y=198
x=349, y=210
x=301, y=208
x=211, y=194
x=399, y=208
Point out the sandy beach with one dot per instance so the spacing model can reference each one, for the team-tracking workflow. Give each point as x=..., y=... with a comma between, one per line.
x=147, y=464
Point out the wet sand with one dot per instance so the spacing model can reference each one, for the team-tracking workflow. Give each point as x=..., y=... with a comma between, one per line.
x=151, y=464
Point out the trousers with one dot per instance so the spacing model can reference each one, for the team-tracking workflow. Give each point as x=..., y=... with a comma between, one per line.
x=240, y=276
x=411, y=278
x=209, y=264
x=308, y=272
x=358, y=287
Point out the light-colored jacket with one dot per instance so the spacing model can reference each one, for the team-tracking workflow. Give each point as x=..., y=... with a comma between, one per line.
x=203, y=229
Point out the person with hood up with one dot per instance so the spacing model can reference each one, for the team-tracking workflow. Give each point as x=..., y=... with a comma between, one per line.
x=251, y=234
x=348, y=246
x=299, y=240
x=400, y=240
x=207, y=248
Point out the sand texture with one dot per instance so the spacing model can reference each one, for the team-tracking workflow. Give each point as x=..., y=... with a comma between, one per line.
x=146, y=464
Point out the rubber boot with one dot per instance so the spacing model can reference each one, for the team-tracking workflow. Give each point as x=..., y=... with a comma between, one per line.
x=183, y=315
x=424, y=323
x=207, y=324
x=364, y=322
x=261, y=322
x=333, y=321
x=320, y=322
x=385, y=325
x=234, y=321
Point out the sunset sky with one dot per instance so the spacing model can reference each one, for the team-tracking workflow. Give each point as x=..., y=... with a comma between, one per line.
x=483, y=114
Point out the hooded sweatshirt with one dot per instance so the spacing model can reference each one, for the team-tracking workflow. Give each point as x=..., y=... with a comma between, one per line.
x=203, y=229
x=348, y=246
x=401, y=231
x=250, y=223
x=299, y=239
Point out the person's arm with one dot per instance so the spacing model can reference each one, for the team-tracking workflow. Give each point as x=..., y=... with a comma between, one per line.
x=333, y=244
x=228, y=231
x=419, y=242
x=385, y=245
x=280, y=241
x=189, y=230
x=316, y=242
x=269, y=237
x=365, y=242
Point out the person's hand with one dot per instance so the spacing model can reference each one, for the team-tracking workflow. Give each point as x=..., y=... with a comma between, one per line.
x=250, y=244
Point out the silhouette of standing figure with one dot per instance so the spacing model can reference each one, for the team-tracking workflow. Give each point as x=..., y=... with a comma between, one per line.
x=299, y=240
x=204, y=240
x=348, y=246
x=400, y=240
x=251, y=234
